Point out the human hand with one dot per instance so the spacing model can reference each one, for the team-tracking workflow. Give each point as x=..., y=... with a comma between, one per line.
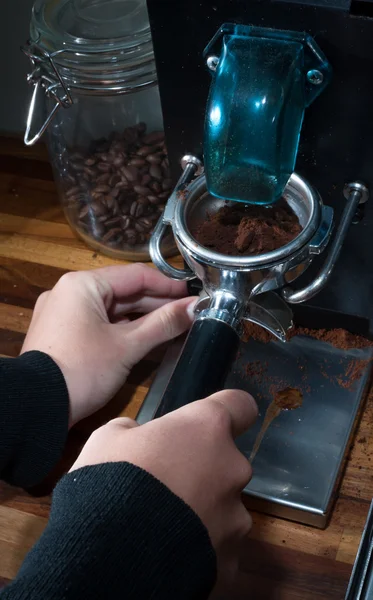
x=192, y=452
x=81, y=324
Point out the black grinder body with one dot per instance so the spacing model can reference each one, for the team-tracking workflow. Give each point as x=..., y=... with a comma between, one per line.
x=336, y=140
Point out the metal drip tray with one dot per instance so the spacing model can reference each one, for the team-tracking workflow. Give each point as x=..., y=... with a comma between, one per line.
x=299, y=462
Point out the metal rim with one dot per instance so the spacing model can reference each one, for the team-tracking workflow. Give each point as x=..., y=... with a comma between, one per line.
x=296, y=186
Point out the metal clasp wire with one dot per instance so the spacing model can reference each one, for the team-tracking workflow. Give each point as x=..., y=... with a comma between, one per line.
x=40, y=79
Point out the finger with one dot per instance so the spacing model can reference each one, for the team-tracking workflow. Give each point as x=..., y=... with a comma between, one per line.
x=123, y=423
x=159, y=326
x=142, y=305
x=240, y=406
x=139, y=279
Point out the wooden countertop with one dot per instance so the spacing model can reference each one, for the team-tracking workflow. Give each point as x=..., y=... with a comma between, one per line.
x=282, y=560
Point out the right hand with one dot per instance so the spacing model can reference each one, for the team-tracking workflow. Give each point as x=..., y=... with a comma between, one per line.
x=191, y=451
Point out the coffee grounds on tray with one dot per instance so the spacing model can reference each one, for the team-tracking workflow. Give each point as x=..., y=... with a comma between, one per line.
x=245, y=229
x=339, y=338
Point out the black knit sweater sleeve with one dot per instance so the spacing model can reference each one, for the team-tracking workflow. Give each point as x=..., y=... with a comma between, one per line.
x=117, y=532
x=114, y=530
x=34, y=415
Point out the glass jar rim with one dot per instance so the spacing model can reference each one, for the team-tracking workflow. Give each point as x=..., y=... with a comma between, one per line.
x=117, y=64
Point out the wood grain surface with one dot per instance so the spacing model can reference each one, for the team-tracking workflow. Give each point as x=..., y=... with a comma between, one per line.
x=281, y=560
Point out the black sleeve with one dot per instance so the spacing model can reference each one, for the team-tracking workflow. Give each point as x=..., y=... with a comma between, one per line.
x=34, y=416
x=117, y=532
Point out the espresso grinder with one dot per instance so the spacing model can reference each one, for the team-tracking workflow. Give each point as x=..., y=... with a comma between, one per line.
x=264, y=81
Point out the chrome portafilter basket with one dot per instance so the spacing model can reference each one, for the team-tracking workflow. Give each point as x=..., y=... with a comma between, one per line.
x=238, y=288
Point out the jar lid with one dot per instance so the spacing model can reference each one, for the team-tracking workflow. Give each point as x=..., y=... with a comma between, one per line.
x=97, y=45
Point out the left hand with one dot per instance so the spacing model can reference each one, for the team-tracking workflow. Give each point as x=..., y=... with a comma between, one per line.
x=81, y=324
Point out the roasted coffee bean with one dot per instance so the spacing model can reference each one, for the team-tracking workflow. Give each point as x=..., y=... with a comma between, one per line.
x=155, y=172
x=112, y=233
x=118, y=189
x=154, y=159
x=137, y=162
x=145, y=222
x=73, y=191
x=98, y=208
x=125, y=222
x=103, y=189
x=131, y=236
x=140, y=228
x=142, y=190
x=133, y=208
x=153, y=138
x=89, y=171
x=113, y=221
x=131, y=173
x=84, y=212
x=104, y=167
x=104, y=178
x=144, y=151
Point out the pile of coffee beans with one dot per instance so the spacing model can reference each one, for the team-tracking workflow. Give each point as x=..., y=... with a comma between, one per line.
x=115, y=192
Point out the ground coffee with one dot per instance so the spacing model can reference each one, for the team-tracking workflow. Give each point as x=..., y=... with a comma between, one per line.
x=246, y=229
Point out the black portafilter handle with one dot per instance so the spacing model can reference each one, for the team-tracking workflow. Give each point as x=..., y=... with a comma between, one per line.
x=203, y=366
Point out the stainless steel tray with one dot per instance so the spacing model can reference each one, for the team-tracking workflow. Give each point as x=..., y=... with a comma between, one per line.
x=300, y=460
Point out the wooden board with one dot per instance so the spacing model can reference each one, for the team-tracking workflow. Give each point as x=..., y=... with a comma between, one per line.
x=281, y=560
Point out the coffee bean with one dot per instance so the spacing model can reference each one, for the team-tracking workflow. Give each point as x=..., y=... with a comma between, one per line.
x=84, y=212
x=118, y=188
x=89, y=171
x=153, y=138
x=131, y=173
x=104, y=167
x=119, y=161
x=133, y=208
x=114, y=179
x=154, y=159
x=131, y=236
x=112, y=233
x=113, y=221
x=142, y=190
x=103, y=189
x=104, y=178
x=153, y=199
x=145, y=151
x=146, y=223
x=156, y=187
x=98, y=208
x=137, y=162
x=125, y=222
x=73, y=191
x=155, y=172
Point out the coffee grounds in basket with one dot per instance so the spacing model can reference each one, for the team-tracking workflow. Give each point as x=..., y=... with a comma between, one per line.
x=246, y=229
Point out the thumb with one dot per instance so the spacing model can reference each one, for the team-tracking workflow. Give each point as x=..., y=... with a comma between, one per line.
x=159, y=326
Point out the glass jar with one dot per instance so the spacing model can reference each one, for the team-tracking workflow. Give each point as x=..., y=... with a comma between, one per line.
x=94, y=68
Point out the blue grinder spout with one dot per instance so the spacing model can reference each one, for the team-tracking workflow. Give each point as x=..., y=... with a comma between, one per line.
x=262, y=81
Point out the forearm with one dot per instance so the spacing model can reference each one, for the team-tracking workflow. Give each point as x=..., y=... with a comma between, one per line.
x=34, y=412
x=115, y=531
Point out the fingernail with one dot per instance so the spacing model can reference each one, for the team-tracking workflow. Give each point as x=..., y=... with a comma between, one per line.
x=190, y=309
